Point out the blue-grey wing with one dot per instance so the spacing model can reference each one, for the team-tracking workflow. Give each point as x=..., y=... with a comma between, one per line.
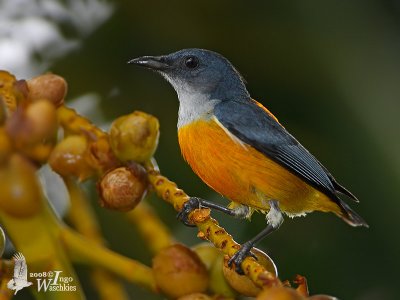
x=253, y=125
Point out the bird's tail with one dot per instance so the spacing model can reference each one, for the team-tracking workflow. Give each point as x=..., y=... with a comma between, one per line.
x=350, y=216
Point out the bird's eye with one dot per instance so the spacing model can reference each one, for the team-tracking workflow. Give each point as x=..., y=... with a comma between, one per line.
x=191, y=62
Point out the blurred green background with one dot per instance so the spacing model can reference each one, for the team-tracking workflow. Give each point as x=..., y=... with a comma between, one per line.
x=329, y=70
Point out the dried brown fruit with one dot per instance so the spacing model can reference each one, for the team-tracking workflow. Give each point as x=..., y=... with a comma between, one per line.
x=49, y=87
x=178, y=271
x=123, y=188
x=134, y=136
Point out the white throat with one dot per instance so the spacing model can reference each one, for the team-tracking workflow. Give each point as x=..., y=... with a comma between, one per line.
x=193, y=107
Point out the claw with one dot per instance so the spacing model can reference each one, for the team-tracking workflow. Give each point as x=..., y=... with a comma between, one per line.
x=239, y=256
x=190, y=205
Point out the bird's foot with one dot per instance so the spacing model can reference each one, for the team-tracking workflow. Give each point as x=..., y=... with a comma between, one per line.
x=240, y=255
x=190, y=205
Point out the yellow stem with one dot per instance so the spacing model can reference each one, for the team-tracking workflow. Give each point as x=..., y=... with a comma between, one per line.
x=80, y=214
x=152, y=229
x=82, y=217
x=208, y=227
x=75, y=123
x=99, y=155
x=87, y=252
x=111, y=289
x=37, y=238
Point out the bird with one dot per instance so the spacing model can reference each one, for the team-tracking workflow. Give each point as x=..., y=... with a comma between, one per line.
x=20, y=278
x=241, y=150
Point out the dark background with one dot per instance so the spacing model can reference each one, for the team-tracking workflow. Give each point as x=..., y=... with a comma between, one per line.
x=329, y=70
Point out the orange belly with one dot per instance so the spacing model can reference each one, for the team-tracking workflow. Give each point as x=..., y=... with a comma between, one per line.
x=244, y=175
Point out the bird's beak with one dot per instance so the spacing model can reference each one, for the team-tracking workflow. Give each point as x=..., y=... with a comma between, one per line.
x=158, y=63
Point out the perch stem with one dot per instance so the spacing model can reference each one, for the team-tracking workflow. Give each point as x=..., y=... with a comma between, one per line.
x=209, y=228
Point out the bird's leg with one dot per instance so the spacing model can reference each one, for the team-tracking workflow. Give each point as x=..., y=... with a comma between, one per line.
x=275, y=219
x=193, y=203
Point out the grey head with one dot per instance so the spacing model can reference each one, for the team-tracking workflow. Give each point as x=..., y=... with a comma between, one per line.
x=201, y=78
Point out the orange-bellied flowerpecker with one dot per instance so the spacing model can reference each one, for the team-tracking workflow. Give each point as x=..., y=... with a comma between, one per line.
x=239, y=148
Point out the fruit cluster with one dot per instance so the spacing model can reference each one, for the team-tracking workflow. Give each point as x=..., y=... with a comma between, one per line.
x=37, y=128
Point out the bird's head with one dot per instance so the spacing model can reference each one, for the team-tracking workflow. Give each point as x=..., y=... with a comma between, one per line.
x=197, y=72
